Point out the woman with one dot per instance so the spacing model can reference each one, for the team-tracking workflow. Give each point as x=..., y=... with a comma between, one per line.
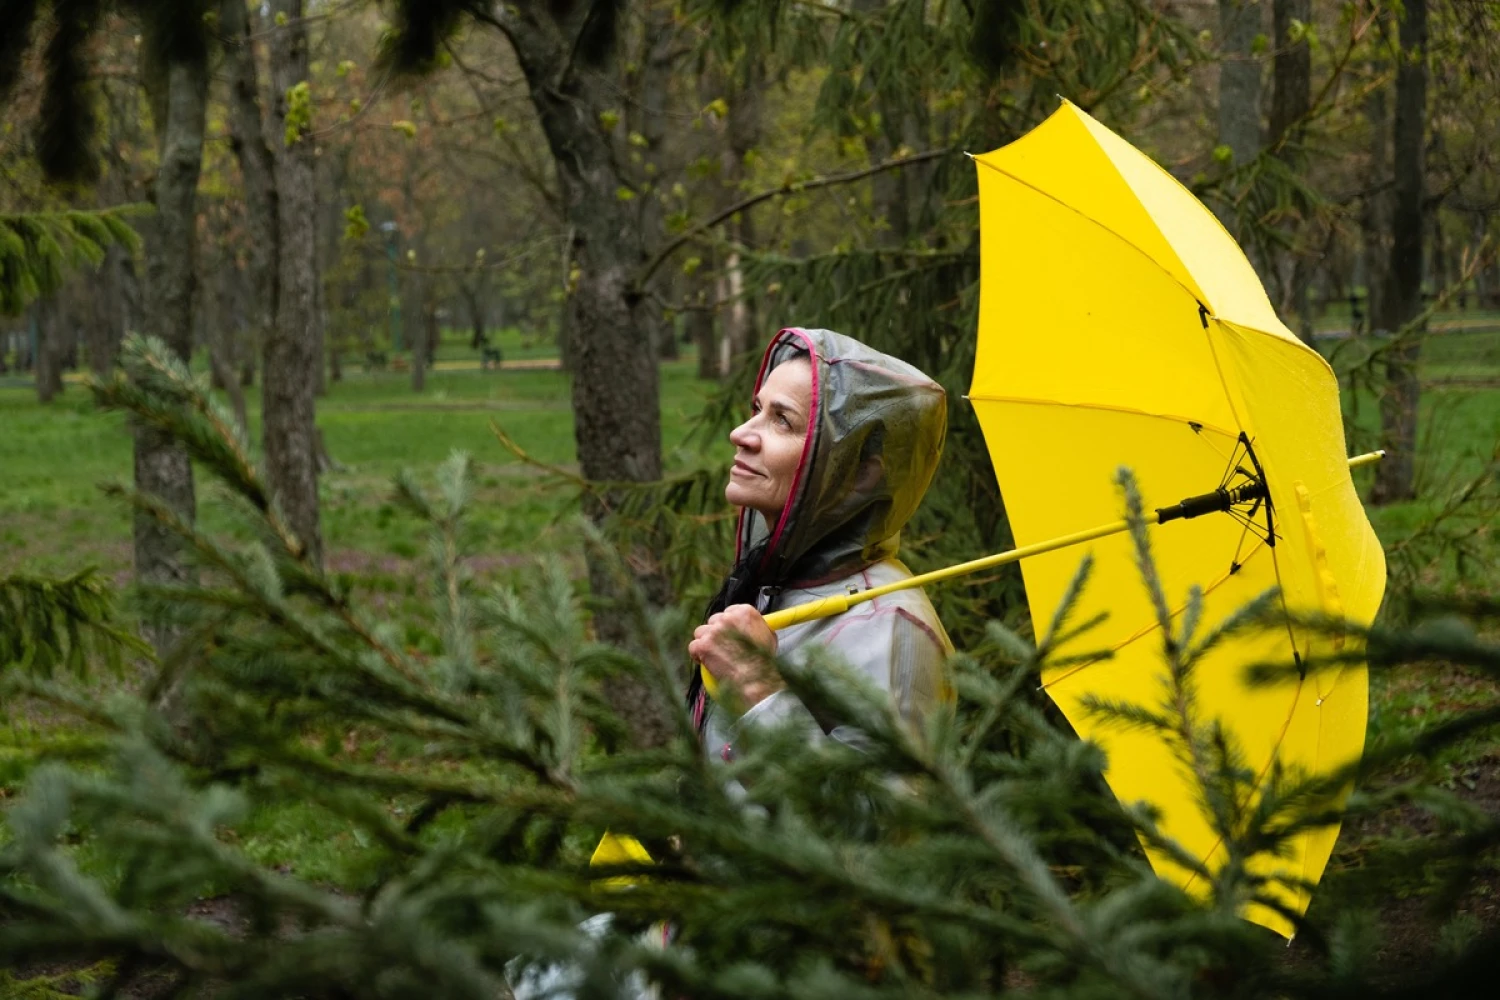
x=840, y=446
x=841, y=443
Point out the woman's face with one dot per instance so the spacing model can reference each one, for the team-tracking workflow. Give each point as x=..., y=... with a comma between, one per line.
x=768, y=446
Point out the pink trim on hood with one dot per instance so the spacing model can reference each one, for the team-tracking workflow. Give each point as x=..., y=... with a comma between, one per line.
x=807, y=440
x=760, y=377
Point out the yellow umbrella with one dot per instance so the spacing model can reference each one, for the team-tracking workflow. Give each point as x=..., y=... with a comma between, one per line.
x=1120, y=325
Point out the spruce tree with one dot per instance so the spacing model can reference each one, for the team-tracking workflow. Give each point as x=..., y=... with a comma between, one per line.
x=38, y=249
x=979, y=856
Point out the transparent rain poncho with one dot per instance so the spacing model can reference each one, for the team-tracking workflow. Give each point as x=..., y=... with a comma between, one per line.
x=872, y=446
x=873, y=442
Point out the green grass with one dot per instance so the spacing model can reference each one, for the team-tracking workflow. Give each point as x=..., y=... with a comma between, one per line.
x=54, y=518
x=514, y=343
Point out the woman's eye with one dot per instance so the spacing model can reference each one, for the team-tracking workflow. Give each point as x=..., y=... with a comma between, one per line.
x=781, y=418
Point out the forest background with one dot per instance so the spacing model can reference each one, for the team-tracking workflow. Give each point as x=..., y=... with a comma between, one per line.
x=554, y=236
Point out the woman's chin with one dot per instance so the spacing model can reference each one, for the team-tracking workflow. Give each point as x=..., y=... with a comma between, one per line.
x=741, y=497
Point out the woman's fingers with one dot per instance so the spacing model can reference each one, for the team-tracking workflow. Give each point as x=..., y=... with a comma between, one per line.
x=723, y=645
x=720, y=643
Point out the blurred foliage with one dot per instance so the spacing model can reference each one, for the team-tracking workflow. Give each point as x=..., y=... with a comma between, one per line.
x=955, y=861
x=38, y=249
x=70, y=622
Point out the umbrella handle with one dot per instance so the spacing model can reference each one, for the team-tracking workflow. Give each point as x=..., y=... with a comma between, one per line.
x=837, y=604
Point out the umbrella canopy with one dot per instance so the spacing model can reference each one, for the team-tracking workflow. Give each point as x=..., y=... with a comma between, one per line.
x=1121, y=325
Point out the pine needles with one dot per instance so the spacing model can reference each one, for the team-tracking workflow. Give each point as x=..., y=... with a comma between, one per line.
x=37, y=249
x=981, y=855
x=70, y=622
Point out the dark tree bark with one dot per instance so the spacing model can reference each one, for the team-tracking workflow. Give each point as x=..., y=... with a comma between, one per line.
x=744, y=133
x=1239, y=79
x=292, y=361
x=1291, y=92
x=1375, y=212
x=420, y=327
x=1239, y=89
x=221, y=364
x=701, y=327
x=1291, y=99
x=1483, y=292
x=107, y=324
x=216, y=319
x=1395, y=477
x=472, y=289
x=47, y=315
x=222, y=337
x=897, y=196
x=616, y=387
x=161, y=465
x=660, y=52
x=248, y=138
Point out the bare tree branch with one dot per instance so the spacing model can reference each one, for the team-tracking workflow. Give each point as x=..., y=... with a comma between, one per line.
x=790, y=187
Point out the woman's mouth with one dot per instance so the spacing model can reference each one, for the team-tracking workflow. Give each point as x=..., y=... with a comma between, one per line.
x=741, y=469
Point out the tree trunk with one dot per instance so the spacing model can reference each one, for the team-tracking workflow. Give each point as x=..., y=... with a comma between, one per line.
x=291, y=354
x=46, y=316
x=1395, y=477
x=421, y=329
x=320, y=306
x=896, y=196
x=222, y=337
x=616, y=389
x=162, y=468
x=1239, y=95
x=1239, y=79
x=473, y=297
x=1291, y=99
x=221, y=364
x=660, y=51
x=1375, y=212
x=107, y=322
x=743, y=128
x=1291, y=92
x=1482, y=292
x=702, y=329
x=248, y=138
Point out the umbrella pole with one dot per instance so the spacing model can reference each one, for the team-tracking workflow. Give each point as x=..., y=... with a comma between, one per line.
x=839, y=603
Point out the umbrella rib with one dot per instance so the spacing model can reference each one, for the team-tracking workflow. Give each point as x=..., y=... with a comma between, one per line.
x=1106, y=407
x=1259, y=778
x=1148, y=629
x=1235, y=562
x=1285, y=725
x=1089, y=218
x=1213, y=352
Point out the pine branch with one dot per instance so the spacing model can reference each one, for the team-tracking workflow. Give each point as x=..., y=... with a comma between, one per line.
x=47, y=623
x=37, y=249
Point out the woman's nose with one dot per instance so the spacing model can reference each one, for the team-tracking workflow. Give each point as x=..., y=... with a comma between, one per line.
x=744, y=437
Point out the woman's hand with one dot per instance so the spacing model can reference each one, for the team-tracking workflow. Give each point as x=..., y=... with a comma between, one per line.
x=736, y=645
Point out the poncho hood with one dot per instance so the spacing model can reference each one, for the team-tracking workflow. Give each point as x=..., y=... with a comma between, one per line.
x=873, y=443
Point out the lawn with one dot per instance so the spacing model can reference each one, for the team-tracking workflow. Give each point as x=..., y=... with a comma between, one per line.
x=53, y=518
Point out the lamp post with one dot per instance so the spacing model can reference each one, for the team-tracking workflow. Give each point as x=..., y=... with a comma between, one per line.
x=391, y=231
